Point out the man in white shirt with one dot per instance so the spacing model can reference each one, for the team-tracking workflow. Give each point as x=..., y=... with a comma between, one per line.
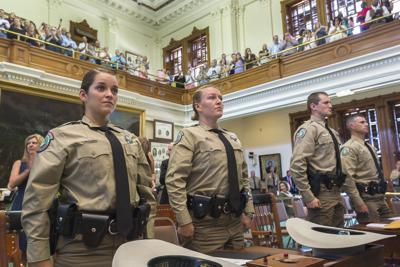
x=4, y=24
x=376, y=11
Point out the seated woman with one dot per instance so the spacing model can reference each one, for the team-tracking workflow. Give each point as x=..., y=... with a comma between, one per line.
x=286, y=197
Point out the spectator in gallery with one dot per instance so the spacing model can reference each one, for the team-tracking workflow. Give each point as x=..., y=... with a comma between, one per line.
x=31, y=32
x=274, y=47
x=69, y=43
x=91, y=53
x=263, y=54
x=302, y=34
x=250, y=59
x=239, y=63
x=232, y=64
x=16, y=27
x=190, y=82
x=319, y=33
x=214, y=71
x=19, y=177
x=351, y=26
x=11, y=18
x=25, y=24
x=144, y=65
x=104, y=55
x=4, y=24
x=389, y=5
x=202, y=77
x=96, y=52
x=83, y=47
x=170, y=77
x=362, y=14
x=224, y=64
x=180, y=80
x=161, y=76
x=376, y=11
x=337, y=31
x=287, y=43
x=309, y=40
x=119, y=59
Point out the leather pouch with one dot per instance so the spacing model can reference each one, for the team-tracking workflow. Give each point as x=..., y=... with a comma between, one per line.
x=200, y=206
x=216, y=206
x=93, y=228
x=66, y=219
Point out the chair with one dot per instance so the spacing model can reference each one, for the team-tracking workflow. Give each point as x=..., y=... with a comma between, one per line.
x=266, y=229
x=283, y=217
x=164, y=210
x=300, y=211
x=9, y=249
x=350, y=215
x=165, y=229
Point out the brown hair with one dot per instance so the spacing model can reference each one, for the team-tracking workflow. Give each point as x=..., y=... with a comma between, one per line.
x=314, y=99
x=196, y=98
x=39, y=139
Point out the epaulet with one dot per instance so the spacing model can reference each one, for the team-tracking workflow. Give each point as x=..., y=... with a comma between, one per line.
x=70, y=123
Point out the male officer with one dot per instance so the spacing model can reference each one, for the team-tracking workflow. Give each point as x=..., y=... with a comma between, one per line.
x=365, y=183
x=316, y=166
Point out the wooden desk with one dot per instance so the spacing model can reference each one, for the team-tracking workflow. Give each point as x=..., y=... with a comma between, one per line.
x=372, y=257
x=391, y=245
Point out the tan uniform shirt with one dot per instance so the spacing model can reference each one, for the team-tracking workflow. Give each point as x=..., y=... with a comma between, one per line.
x=313, y=148
x=77, y=162
x=198, y=165
x=359, y=167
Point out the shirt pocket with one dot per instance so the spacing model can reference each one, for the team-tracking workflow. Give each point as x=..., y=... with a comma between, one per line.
x=132, y=159
x=325, y=143
x=94, y=158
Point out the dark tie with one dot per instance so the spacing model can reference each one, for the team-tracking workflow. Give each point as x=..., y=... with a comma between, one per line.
x=234, y=194
x=378, y=168
x=124, y=209
x=336, y=144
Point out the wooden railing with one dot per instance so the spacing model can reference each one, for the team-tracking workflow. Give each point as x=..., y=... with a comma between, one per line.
x=375, y=39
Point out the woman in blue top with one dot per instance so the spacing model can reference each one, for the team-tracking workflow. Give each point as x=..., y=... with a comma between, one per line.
x=19, y=177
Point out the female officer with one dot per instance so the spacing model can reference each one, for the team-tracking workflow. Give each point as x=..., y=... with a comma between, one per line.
x=96, y=166
x=207, y=180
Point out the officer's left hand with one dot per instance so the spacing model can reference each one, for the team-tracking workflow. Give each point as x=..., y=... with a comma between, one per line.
x=246, y=221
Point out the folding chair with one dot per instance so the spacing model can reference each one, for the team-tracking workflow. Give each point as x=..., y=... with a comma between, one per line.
x=165, y=229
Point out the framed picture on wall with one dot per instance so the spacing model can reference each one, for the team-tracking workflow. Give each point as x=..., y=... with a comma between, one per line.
x=159, y=151
x=163, y=131
x=270, y=163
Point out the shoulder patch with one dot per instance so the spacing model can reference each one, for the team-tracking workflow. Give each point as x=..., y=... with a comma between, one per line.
x=344, y=151
x=178, y=137
x=301, y=133
x=233, y=137
x=46, y=142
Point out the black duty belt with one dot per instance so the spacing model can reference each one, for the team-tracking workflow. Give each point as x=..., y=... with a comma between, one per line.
x=203, y=205
x=372, y=188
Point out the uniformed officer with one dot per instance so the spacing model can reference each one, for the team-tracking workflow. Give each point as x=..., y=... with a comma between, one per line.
x=315, y=166
x=365, y=184
x=78, y=160
x=207, y=180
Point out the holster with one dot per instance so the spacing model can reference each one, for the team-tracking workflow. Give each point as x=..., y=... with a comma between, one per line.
x=200, y=205
x=53, y=234
x=314, y=180
x=93, y=228
x=140, y=216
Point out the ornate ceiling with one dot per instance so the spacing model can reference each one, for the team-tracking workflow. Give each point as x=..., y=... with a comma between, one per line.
x=155, y=13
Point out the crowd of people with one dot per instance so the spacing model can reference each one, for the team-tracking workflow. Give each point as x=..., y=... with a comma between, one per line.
x=340, y=27
x=59, y=40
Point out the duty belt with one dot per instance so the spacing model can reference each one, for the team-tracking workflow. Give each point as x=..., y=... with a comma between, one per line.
x=371, y=188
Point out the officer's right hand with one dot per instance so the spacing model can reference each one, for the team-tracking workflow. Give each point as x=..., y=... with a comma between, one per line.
x=313, y=204
x=45, y=263
x=186, y=231
x=362, y=208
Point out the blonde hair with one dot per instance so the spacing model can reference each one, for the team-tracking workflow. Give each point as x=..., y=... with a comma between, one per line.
x=196, y=98
x=39, y=139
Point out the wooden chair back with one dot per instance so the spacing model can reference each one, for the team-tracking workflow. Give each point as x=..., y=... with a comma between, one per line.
x=9, y=245
x=165, y=211
x=165, y=229
x=266, y=229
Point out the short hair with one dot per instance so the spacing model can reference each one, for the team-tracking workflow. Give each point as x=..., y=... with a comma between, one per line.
x=196, y=98
x=314, y=98
x=350, y=119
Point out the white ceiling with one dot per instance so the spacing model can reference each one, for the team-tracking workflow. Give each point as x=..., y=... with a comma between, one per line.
x=155, y=13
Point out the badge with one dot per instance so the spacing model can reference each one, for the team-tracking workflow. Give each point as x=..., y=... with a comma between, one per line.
x=46, y=142
x=129, y=139
x=233, y=137
x=301, y=133
x=345, y=151
x=178, y=137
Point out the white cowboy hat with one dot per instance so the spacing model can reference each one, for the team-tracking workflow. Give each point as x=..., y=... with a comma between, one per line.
x=330, y=242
